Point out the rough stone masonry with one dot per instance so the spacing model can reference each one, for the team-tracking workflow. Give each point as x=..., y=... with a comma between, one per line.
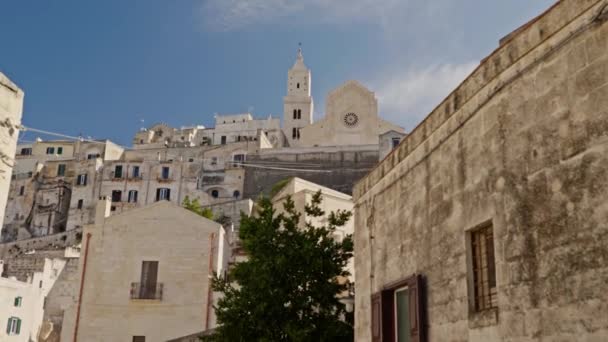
x=521, y=145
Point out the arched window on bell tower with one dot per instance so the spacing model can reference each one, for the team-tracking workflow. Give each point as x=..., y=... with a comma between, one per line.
x=294, y=133
x=299, y=113
x=298, y=85
x=295, y=114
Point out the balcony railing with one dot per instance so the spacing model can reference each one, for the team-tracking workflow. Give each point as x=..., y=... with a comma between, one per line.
x=146, y=291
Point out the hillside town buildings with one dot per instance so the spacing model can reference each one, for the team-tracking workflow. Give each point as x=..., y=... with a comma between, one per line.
x=489, y=221
x=485, y=223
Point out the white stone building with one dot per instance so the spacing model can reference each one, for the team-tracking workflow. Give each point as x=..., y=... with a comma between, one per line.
x=22, y=302
x=11, y=107
x=146, y=275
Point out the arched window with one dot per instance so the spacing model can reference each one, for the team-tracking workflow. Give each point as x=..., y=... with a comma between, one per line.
x=294, y=133
x=298, y=85
x=236, y=194
x=299, y=113
x=298, y=133
x=215, y=193
x=295, y=113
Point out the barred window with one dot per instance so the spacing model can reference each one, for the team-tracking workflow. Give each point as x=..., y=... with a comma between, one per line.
x=483, y=268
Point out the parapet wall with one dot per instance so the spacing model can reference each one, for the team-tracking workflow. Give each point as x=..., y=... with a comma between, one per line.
x=515, y=56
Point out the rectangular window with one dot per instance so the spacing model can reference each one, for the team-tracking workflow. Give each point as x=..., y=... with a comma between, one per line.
x=165, y=173
x=14, y=326
x=21, y=190
x=59, y=150
x=116, y=196
x=118, y=171
x=149, y=275
x=223, y=140
x=483, y=269
x=398, y=312
x=135, y=172
x=80, y=203
x=50, y=150
x=18, y=301
x=163, y=194
x=93, y=155
x=132, y=196
x=60, y=170
x=396, y=142
x=26, y=151
x=81, y=179
x=139, y=338
x=214, y=161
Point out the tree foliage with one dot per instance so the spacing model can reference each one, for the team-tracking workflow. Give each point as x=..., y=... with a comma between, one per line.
x=288, y=288
x=195, y=207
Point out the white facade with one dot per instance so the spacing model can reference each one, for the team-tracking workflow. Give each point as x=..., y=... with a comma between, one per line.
x=122, y=297
x=302, y=191
x=21, y=303
x=11, y=107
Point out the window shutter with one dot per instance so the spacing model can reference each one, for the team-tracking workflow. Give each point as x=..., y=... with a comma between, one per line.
x=416, y=310
x=16, y=301
x=388, y=316
x=18, y=326
x=8, y=326
x=376, y=318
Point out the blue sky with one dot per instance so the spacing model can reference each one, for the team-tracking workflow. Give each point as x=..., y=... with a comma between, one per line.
x=98, y=68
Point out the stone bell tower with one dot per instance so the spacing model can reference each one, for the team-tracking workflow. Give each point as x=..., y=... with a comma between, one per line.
x=298, y=103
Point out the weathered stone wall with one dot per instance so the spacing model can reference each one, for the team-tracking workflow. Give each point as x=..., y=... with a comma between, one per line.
x=335, y=168
x=11, y=107
x=61, y=298
x=523, y=143
x=22, y=258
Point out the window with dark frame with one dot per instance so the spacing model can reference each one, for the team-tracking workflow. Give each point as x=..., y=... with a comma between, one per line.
x=483, y=268
x=149, y=274
x=132, y=196
x=163, y=194
x=399, y=312
x=81, y=179
x=118, y=171
x=116, y=195
x=165, y=172
x=59, y=150
x=60, y=170
x=26, y=151
x=21, y=190
x=135, y=173
x=80, y=203
x=50, y=150
x=223, y=140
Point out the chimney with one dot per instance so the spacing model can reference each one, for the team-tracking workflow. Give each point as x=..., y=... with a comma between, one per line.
x=102, y=210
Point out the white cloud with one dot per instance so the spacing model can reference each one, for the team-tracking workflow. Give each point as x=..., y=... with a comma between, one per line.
x=405, y=98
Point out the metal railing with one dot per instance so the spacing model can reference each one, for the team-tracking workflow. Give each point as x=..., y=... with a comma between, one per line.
x=147, y=291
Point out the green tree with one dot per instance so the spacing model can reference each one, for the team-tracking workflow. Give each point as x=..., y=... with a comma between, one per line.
x=288, y=288
x=194, y=206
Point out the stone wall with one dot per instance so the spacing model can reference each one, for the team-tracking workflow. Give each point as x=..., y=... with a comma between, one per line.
x=335, y=168
x=62, y=297
x=11, y=106
x=522, y=144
